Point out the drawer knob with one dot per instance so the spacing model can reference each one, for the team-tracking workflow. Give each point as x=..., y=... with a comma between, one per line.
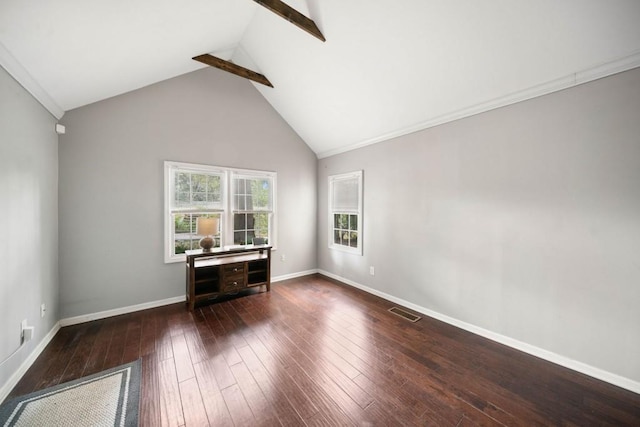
x=235, y=269
x=235, y=283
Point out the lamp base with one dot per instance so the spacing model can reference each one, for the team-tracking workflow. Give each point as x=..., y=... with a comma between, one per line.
x=206, y=243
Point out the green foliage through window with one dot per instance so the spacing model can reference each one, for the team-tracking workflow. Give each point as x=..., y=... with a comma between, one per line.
x=197, y=190
x=242, y=200
x=345, y=230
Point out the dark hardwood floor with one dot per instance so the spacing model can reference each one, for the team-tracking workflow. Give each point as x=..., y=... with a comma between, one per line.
x=315, y=352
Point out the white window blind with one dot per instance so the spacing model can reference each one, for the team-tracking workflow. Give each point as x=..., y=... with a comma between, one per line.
x=346, y=194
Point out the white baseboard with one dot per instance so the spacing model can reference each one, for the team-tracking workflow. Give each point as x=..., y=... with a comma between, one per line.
x=24, y=367
x=558, y=359
x=11, y=383
x=144, y=306
x=293, y=275
x=118, y=311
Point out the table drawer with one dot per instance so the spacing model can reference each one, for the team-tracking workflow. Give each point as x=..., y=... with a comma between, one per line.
x=233, y=277
x=234, y=269
x=233, y=283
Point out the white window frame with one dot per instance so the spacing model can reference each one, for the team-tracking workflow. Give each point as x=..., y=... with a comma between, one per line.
x=226, y=211
x=246, y=174
x=333, y=211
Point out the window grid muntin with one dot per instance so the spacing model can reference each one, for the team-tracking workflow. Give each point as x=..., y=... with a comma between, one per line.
x=345, y=229
x=188, y=239
x=226, y=208
x=187, y=189
x=253, y=202
x=245, y=229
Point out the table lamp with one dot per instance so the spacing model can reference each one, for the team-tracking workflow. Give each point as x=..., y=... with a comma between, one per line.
x=207, y=227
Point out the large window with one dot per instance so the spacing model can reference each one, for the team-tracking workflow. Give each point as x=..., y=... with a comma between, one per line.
x=345, y=212
x=243, y=201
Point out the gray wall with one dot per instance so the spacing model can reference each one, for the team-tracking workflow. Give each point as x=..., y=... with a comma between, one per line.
x=111, y=184
x=524, y=221
x=29, y=218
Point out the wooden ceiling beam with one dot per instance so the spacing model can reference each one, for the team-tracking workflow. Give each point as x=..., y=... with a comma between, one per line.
x=290, y=14
x=232, y=68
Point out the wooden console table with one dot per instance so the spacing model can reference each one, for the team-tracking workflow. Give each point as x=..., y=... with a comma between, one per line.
x=224, y=271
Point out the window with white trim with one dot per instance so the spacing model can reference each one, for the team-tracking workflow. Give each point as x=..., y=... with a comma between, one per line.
x=242, y=200
x=252, y=207
x=345, y=212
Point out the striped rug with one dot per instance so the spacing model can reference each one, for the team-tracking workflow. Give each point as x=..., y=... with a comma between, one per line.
x=108, y=398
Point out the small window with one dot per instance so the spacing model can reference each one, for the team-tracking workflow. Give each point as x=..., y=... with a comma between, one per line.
x=345, y=212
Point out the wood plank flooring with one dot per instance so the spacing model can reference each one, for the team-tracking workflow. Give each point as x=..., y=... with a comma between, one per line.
x=318, y=353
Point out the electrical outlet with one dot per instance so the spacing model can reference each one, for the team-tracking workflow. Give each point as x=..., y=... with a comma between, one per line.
x=43, y=309
x=26, y=332
x=23, y=326
x=283, y=257
x=372, y=271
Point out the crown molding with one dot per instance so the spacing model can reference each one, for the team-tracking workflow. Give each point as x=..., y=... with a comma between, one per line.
x=599, y=71
x=22, y=76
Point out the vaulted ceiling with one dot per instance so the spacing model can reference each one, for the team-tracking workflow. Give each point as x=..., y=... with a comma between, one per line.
x=387, y=67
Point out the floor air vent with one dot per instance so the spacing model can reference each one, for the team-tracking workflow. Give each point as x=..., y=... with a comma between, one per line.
x=405, y=314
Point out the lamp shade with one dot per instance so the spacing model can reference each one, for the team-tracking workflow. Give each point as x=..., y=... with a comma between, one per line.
x=206, y=226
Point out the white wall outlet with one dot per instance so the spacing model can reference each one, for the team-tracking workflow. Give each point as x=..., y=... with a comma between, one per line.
x=43, y=309
x=372, y=271
x=283, y=257
x=26, y=332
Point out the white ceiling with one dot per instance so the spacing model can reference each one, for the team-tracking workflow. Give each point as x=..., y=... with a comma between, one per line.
x=386, y=69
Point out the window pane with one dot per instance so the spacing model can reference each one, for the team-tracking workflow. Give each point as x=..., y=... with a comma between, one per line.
x=337, y=239
x=353, y=239
x=253, y=194
x=184, y=231
x=197, y=190
x=261, y=194
x=181, y=223
x=198, y=183
x=353, y=222
x=250, y=225
x=261, y=224
x=183, y=235
x=239, y=221
x=183, y=199
x=344, y=221
x=182, y=183
x=239, y=238
x=214, y=188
